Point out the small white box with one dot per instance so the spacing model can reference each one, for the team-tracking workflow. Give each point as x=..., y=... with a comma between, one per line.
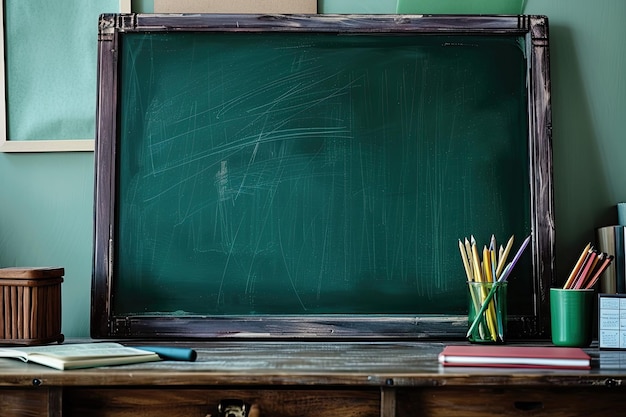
x=612, y=321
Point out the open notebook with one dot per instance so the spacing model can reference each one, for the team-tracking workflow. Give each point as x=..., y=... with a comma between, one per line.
x=80, y=355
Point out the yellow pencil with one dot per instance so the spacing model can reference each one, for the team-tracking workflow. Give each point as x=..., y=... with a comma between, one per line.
x=502, y=260
x=468, y=250
x=466, y=256
x=487, y=264
x=478, y=275
x=466, y=264
x=574, y=272
x=493, y=256
x=491, y=313
x=476, y=261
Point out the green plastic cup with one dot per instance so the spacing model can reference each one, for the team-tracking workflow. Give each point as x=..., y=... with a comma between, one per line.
x=571, y=314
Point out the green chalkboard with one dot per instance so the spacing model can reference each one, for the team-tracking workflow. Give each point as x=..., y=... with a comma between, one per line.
x=313, y=173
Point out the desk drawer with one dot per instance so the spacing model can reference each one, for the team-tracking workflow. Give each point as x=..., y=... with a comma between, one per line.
x=175, y=402
x=513, y=401
x=20, y=402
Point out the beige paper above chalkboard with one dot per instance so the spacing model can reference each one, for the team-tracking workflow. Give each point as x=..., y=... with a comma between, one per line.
x=235, y=6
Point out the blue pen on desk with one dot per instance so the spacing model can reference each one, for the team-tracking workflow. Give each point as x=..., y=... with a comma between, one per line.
x=503, y=278
x=172, y=353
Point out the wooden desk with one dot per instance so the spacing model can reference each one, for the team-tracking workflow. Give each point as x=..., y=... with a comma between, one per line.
x=281, y=379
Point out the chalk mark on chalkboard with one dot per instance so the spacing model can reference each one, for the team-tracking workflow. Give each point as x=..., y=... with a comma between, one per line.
x=220, y=293
x=235, y=146
x=301, y=92
x=223, y=107
x=287, y=269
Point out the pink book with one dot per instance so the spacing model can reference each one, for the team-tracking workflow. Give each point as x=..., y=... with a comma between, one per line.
x=547, y=357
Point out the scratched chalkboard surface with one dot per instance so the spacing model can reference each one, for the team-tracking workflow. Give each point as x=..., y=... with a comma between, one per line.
x=314, y=173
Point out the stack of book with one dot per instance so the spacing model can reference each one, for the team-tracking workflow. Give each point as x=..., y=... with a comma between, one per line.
x=547, y=357
x=611, y=240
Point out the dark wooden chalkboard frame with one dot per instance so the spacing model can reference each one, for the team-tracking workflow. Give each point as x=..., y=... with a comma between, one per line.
x=105, y=324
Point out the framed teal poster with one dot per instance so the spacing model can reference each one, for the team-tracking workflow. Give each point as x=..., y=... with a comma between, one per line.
x=49, y=74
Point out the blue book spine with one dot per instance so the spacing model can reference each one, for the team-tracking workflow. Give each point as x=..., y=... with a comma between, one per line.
x=620, y=272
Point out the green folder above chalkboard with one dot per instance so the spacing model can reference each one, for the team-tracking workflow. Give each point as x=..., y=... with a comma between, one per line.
x=309, y=176
x=457, y=7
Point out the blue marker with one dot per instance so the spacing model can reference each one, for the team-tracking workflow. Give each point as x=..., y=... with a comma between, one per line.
x=172, y=353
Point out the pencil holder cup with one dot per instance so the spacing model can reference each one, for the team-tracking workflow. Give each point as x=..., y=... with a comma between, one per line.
x=487, y=323
x=571, y=314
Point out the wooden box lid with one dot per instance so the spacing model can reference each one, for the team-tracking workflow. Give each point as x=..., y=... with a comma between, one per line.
x=31, y=272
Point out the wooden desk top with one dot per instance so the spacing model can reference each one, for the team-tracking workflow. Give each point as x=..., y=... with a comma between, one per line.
x=375, y=364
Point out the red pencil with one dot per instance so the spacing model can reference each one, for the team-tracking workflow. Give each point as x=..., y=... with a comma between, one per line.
x=605, y=264
x=586, y=270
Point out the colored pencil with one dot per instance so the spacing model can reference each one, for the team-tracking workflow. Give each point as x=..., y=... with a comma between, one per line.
x=577, y=267
x=505, y=254
x=590, y=266
x=603, y=266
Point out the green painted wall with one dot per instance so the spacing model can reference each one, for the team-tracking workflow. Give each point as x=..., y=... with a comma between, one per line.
x=46, y=207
